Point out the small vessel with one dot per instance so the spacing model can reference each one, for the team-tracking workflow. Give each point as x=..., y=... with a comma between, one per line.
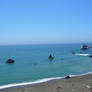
x=84, y=47
x=50, y=57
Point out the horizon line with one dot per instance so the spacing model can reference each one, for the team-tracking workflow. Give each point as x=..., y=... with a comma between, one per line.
x=45, y=44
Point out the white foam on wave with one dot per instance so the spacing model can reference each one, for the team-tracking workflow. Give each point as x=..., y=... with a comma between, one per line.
x=38, y=81
x=80, y=74
x=28, y=83
x=81, y=54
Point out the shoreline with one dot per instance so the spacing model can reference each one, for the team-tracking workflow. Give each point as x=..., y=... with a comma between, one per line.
x=14, y=85
x=7, y=88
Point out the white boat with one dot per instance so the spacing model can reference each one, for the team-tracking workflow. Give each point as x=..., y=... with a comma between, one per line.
x=84, y=47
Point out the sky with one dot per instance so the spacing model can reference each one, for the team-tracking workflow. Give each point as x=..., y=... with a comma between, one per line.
x=45, y=21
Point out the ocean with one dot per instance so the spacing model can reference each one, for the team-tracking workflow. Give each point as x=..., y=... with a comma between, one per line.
x=31, y=62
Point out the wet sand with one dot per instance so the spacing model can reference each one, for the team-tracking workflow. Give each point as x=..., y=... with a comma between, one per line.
x=74, y=84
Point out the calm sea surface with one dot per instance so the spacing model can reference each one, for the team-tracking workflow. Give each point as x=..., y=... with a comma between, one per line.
x=31, y=62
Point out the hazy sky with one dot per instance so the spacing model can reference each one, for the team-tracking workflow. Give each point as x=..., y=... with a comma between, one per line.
x=45, y=21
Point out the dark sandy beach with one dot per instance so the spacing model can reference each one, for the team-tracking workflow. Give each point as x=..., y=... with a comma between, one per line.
x=74, y=84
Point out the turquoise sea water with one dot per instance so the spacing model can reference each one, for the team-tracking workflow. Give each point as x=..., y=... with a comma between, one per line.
x=31, y=62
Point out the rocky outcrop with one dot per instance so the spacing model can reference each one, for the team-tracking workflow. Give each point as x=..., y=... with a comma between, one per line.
x=67, y=77
x=50, y=57
x=9, y=61
x=90, y=56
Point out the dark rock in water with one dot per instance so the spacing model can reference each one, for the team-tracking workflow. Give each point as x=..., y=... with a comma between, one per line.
x=67, y=77
x=90, y=56
x=35, y=64
x=73, y=52
x=50, y=57
x=61, y=58
x=9, y=61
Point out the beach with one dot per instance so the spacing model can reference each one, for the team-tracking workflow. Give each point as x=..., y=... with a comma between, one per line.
x=82, y=83
x=33, y=72
x=45, y=46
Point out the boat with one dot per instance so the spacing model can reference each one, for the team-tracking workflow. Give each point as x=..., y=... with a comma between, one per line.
x=84, y=47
